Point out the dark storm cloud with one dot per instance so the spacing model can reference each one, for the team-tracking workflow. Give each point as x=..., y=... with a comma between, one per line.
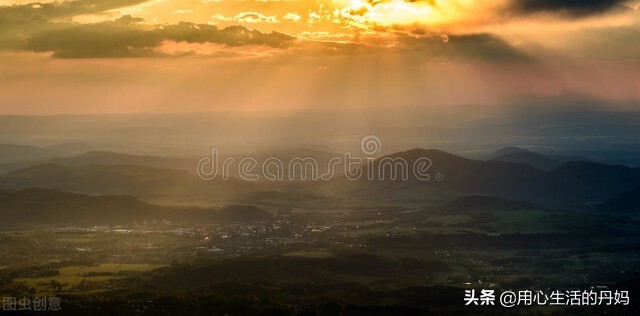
x=230, y=36
x=31, y=27
x=120, y=38
x=464, y=47
x=43, y=12
x=126, y=37
x=68, y=8
x=19, y=21
x=570, y=7
x=487, y=47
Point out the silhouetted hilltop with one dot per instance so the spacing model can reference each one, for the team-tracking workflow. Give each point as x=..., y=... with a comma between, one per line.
x=571, y=185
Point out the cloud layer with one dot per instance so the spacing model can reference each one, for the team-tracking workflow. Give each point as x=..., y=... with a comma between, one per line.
x=571, y=7
x=47, y=28
x=451, y=30
x=127, y=37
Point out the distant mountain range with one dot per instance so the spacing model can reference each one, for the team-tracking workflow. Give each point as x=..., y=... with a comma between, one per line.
x=95, y=158
x=152, y=184
x=15, y=153
x=512, y=173
x=571, y=185
x=40, y=206
x=534, y=159
x=115, y=158
x=27, y=157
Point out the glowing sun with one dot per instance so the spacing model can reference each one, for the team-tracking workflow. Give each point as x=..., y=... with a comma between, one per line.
x=390, y=12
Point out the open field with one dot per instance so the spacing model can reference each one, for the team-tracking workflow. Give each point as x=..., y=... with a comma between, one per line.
x=72, y=276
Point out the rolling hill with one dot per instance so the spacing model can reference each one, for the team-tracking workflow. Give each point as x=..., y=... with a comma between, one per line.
x=532, y=159
x=116, y=158
x=151, y=184
x=537, y=160
x=625, y=203
x=42, y=206
x=572, y=185
x=15, y=153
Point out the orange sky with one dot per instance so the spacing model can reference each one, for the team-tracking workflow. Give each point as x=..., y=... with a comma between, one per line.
x=108, y=56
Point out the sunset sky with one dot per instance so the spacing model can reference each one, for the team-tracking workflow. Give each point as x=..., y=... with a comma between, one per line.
x=131, y=56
